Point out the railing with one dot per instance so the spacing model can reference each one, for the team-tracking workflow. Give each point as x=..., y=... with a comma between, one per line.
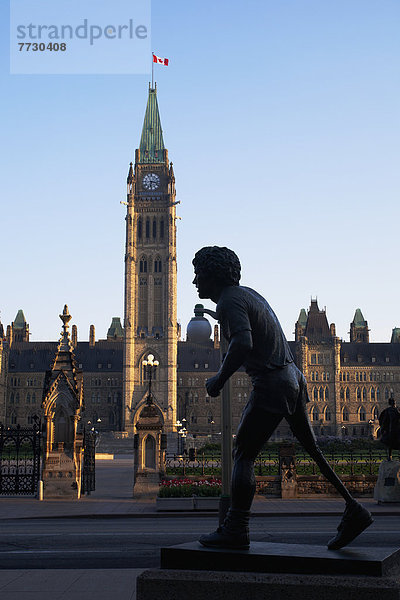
x=343, y=463
x=267, y=463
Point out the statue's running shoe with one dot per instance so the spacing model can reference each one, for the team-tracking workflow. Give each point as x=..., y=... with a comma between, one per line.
x=355, y=519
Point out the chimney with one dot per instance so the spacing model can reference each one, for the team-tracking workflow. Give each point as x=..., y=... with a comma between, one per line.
x=92, y=338
x=9, y=335
x=74, y=336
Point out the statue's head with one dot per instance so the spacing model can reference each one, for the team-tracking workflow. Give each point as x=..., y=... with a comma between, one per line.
x=215, y=268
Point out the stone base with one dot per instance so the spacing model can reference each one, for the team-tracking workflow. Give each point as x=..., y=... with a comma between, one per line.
x=203, y=585
x=387, y=487
x=266, y=557
x=147, y=484
x=60, y=479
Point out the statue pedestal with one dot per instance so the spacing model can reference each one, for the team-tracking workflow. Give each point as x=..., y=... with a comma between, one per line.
x=270, y=571
x=387, y=487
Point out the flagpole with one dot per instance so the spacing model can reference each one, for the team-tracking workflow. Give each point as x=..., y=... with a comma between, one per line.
x=152, y=70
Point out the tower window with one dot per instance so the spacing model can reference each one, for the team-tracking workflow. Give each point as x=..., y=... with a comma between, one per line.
x=143, y=266
x=162, y=228
x=157, y=266
x=147, y=228
x=154, y=228
x=140, y=228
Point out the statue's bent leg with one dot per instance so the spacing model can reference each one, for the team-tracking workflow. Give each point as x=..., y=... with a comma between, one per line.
x=301, y=428
x=255, y=428
x=356, y=518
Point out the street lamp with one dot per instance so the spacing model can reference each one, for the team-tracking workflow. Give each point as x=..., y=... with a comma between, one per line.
x=150, y=366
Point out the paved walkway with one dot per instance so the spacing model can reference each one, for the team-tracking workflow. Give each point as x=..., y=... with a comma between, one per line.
x=69, y=584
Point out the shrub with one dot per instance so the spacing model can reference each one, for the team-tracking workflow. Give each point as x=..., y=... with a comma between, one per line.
x=185, y=488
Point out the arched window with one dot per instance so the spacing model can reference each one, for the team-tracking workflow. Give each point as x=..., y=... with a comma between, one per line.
x=315, y=393
x=157, y=265
x=375, y=413
x=12, y=398
x=386, y=394
x=358, y=393
x=193, y=419
x=345, y=414
x=372, y=394
x=314, y=414
x=321, y=393
x=239, y=397
x=33, y=399
x=341, y=393
x=347, y=394
x=154, y=228
x=326, y=393
x=327, y=414
x=17, y=398
x=362, y=414
x=140, y=228
x=364, y=394
x=162, y=228
x=147, y=228
x=143, y=265
x=13, y=418
x=150, y=452
x=378, y=394
x=28, y=398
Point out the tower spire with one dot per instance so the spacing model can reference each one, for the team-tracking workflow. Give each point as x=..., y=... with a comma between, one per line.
x=151, y=147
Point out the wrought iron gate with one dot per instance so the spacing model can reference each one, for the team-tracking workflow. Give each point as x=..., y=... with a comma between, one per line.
x=89, y=463
x=19, y=460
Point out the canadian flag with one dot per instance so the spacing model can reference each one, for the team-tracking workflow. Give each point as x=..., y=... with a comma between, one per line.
x=160, y=61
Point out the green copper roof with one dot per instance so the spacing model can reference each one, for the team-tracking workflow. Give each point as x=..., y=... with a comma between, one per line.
x=302, y=320
x=19, y=321
x=359, y=320
x=115, y=330
x=151, y=143
x=395, y=336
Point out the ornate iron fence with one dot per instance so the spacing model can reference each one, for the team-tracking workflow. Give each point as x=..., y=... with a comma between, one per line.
x=343, y=463
x=20, y=460
x=267, y=464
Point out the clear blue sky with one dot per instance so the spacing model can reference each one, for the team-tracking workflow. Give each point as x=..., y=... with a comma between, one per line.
x=282, y=120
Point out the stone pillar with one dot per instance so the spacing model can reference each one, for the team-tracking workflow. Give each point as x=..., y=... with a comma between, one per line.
x=287, y=471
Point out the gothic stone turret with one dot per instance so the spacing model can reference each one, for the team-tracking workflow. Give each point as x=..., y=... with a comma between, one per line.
x=62, y=405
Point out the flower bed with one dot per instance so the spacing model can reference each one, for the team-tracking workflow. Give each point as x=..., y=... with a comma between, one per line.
x=186, y=488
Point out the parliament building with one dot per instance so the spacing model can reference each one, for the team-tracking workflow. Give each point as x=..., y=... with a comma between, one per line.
x=349, y=382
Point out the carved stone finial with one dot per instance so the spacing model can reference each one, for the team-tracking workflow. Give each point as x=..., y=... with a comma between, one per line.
x=65, y=317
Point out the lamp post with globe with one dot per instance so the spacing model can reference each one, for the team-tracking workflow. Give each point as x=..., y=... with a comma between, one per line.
x=150, y=365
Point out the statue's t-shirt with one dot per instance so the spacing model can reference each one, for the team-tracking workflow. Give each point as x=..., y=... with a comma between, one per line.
x=243, y=309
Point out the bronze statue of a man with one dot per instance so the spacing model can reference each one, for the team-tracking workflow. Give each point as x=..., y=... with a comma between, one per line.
x=256, y=340
x=389, y=421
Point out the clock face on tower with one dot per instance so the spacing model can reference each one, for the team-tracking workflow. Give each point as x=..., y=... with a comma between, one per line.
x=151, y=181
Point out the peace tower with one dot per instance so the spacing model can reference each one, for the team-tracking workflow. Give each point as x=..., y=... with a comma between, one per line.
x=150, y=320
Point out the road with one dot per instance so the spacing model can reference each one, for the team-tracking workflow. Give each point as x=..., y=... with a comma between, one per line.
x=98, y=543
